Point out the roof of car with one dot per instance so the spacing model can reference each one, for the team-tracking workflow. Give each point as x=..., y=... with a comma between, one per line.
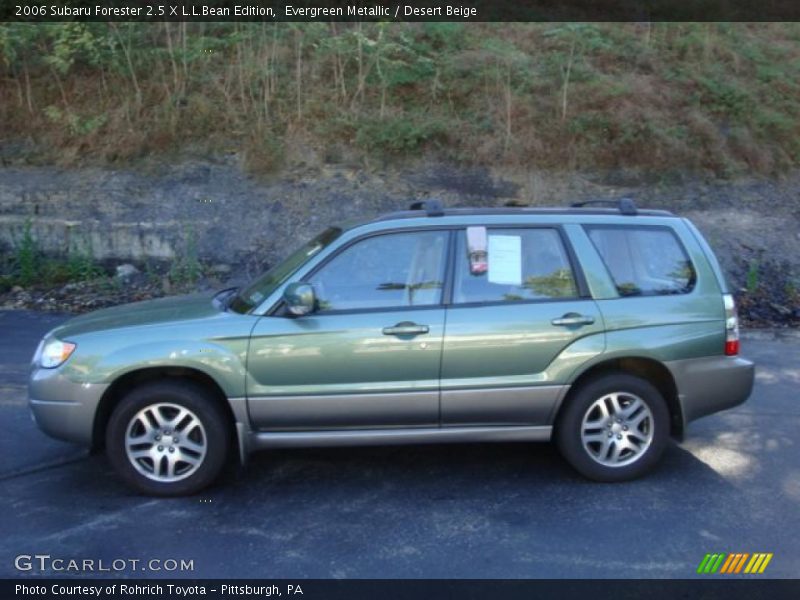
x=433, y=208
x=459, y=212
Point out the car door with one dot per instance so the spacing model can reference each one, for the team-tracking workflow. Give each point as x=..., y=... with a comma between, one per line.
x=507, y=322
x=370, y=355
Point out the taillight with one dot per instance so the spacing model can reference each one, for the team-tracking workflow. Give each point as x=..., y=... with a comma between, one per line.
x=731, y=326
x=731, y=347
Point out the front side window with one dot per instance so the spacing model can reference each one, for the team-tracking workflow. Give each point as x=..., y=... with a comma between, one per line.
x=522, y=264
x=644, y=261
x=385, y=271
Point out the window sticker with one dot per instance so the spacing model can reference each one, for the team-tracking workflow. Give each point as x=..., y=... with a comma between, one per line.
x=505, y=259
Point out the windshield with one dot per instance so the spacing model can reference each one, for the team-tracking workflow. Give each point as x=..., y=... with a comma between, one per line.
x=251, y=296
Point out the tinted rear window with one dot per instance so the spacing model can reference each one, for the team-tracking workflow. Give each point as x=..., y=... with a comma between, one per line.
x=644, y=261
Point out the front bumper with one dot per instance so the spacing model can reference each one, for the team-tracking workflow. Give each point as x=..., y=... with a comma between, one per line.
x=63, y=408
x=710, y=384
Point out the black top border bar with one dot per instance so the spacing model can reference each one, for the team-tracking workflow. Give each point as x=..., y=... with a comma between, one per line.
x=401, y=10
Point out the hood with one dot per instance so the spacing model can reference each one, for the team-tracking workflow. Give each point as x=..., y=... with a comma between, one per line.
x=137, y=314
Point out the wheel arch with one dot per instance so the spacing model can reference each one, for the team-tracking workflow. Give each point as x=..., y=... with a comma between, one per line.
x=649, y=369
x=133, y=379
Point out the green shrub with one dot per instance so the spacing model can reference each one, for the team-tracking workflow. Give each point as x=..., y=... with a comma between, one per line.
x=28, y=257
x=81, y=264
x=397, y=135
x=725, y=95
x=752, y=277
x=29, y=265
x=186, y=268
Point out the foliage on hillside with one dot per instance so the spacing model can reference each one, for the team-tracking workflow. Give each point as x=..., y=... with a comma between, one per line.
x=710, y=96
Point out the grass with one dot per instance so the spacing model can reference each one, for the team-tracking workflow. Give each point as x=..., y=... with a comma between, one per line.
x=186, y=269
x=701, y=96
x=751, y=277
x=27, y=265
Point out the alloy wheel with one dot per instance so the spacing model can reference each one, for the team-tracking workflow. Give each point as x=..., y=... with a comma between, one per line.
x=617, y=429
x=166, y=442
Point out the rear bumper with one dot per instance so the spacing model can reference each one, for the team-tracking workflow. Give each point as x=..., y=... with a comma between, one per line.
x=63, y=408
x=710, y=384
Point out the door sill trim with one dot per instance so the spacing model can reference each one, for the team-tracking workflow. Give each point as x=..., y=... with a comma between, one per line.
x=378, y=437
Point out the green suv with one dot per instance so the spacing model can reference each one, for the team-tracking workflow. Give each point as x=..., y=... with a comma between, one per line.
x=604, y=328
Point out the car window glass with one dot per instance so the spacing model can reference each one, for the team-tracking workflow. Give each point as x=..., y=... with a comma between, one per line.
x=267, y=283
x=523, y=264
x=384, y=271
x=644, y=261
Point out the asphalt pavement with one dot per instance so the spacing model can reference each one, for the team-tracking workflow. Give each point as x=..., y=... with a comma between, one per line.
x=452, y=511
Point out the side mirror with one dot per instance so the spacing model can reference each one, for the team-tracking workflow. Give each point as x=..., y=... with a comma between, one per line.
x=300, y=298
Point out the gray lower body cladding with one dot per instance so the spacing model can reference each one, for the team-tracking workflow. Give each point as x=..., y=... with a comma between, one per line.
x=710, y=384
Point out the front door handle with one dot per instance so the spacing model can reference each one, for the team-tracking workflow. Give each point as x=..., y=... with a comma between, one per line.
x=406, y=328
x=573, y=319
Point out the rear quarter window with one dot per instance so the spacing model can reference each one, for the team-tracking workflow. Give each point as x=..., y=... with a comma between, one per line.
x=644, y=260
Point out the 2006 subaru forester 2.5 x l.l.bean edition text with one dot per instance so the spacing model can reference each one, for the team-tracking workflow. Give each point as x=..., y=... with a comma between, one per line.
x=606, y=329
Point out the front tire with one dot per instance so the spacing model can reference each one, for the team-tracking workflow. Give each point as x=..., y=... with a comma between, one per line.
x=614, y=428
x=168, y=438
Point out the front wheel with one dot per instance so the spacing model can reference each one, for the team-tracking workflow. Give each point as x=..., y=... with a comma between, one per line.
x=614, y=428
x=168, y=438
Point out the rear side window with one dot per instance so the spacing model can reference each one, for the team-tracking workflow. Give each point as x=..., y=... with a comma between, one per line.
x=522, y=264
x=644, y=261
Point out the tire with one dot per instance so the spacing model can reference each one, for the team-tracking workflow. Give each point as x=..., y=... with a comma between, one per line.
x=194, y=437
x=620, y=442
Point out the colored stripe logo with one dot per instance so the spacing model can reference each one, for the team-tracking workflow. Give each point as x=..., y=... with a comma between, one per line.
x=735, y=562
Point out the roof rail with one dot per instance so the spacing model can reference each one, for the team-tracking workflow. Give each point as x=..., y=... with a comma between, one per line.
x=626, y=206
x=433, y=208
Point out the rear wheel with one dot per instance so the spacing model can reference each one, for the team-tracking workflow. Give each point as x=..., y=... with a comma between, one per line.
x=168, y=438
x=614, y=428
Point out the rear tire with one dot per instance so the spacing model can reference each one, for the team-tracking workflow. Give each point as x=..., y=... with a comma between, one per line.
x=168, y=438
x=613, y=428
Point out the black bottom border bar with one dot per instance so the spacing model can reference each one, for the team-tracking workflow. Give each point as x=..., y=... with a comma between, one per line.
x=719, y=588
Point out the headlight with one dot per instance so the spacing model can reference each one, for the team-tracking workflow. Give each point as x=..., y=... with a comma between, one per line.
x=55, y=352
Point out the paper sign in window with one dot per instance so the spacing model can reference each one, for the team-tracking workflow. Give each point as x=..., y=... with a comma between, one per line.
x=476, y=248
x=505, y=259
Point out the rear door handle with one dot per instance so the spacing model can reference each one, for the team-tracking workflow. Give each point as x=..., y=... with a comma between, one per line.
x=406, y=329
x=572, y=319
